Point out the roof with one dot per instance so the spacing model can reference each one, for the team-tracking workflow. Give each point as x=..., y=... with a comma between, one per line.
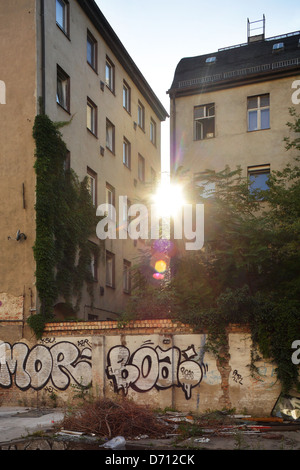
x=95, y=15
x=233, y=66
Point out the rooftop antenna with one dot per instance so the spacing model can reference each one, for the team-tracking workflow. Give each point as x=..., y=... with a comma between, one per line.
x=262, y=28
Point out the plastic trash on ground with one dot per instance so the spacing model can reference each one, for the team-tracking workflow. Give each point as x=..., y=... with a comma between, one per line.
x=115, y=443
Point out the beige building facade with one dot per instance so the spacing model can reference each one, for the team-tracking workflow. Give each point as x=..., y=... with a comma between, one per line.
x=63, y=57
x=231, y=107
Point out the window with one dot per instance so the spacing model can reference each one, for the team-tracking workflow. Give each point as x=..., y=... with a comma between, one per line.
x=204, y=122
x=110, y=199
x=92, y=51
x=94, y=262
x=92, y=117
x=211, y=60
x=278, y=47
x=67, y=161
x=259, y=112
x=92, y=185
x=62, y=15
x=153, y=132
x=126, y=277
x=110, y=136
x=63, y=89
x=126, y=97
x=126, y=153
x=141, y=116
x=110, y=269
x=141, y=168
x=258, y=177
x=110, y=75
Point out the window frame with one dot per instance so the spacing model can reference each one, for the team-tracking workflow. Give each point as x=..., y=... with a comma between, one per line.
x=64, y=78
x=255, y=171
x=141, y=160
x=110, y=276
x=126, y=97
x=141, y=115
x=110, y=127
x=92, y=176
x=153, y=131
x=94, y=117
x=94, y=262
x=204, y=121
x=258, y=110
x=126, y=277
x=65, y=27
x=126, y=153
x=110, y=74
x=94, y=51
x=110, y=197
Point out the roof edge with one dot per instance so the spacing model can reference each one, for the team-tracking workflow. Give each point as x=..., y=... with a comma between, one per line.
x=96, y=16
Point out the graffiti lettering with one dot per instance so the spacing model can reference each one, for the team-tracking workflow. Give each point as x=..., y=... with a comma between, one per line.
x=237, y=377
x=36, y=367
x=147, y=368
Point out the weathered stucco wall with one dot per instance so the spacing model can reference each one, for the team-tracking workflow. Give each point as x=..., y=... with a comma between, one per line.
x=155, y=362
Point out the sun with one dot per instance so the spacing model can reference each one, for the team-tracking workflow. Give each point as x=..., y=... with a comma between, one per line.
x=168, y=199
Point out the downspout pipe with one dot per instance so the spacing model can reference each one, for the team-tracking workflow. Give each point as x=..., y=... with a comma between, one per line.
x=43, y=59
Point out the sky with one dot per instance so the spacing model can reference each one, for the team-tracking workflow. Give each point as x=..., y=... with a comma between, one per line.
x=159, y=33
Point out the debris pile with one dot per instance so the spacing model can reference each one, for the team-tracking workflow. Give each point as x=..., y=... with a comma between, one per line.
x=110, y=419
x=107, y=419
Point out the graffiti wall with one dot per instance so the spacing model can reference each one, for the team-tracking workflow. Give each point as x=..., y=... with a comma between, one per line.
x=156, y=369
x=151, y=367
x=50, y=363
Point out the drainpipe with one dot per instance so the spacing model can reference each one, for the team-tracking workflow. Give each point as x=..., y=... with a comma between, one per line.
x=43, y=59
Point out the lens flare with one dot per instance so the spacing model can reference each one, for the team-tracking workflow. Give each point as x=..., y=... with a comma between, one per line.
x=158, y=276
x=160, y=266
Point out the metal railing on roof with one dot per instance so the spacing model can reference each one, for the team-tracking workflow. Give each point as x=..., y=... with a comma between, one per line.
x=273, y=38
x=237, y=73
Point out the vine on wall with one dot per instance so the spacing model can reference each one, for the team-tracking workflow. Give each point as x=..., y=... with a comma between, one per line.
x=65, y=220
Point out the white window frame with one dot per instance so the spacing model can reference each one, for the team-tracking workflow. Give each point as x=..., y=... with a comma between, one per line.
x=92, y=185
x=258, y=110
x=63, y=89
x=110, y=136
x=91, y=117
x=110, y=197
x=126, y=97
x=202, y=115
x=110, y=75
x=153, y=131
x=141, y=115
x=64, y=23
x=126, y=153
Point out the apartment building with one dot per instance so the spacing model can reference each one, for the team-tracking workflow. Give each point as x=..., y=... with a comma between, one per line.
x=230, y=107
x=64, y=57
